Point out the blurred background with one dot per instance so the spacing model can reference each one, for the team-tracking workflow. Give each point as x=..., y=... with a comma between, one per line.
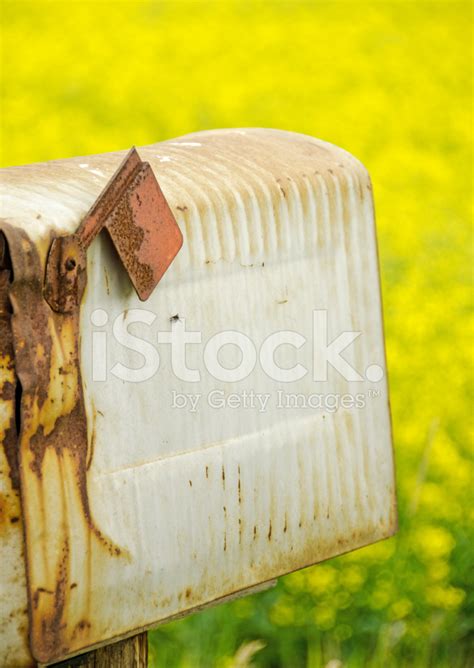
x=391, y=83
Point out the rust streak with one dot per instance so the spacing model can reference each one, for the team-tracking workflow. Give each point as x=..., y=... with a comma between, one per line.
x=54, y=450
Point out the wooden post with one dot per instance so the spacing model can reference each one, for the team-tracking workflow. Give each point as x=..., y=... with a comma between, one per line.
x=129, y=653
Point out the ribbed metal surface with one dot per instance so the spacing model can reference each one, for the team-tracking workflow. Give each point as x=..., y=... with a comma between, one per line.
x=204, y=504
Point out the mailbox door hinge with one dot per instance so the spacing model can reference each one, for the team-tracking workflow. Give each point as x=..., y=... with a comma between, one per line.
x=135, y=213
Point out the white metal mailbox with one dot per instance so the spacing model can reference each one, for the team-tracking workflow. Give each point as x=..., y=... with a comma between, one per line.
x=232, y=427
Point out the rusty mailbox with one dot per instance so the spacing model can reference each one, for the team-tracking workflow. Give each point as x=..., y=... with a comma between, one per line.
x=169, y=446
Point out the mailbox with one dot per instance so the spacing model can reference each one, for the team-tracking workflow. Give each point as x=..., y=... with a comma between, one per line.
x=193, y=392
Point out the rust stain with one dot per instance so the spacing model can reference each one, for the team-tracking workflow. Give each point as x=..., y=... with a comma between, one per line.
x=8, y=435
x=51, y=609
x=106, y=276
x=128, y=239
x=53, y=413
x=3, y=509
x=53, y=450
x=15, y=625
x=93, y=436
x=283, y=191
x=81, y=628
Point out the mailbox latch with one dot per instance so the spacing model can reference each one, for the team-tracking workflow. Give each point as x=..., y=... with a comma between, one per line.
x=135, y=213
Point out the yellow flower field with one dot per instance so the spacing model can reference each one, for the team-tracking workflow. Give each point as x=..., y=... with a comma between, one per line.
x=391, y=83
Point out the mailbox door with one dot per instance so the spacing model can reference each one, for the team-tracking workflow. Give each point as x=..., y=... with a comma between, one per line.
x=14, y=648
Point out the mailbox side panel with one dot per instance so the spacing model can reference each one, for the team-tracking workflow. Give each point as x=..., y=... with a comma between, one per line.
x=209, y=502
